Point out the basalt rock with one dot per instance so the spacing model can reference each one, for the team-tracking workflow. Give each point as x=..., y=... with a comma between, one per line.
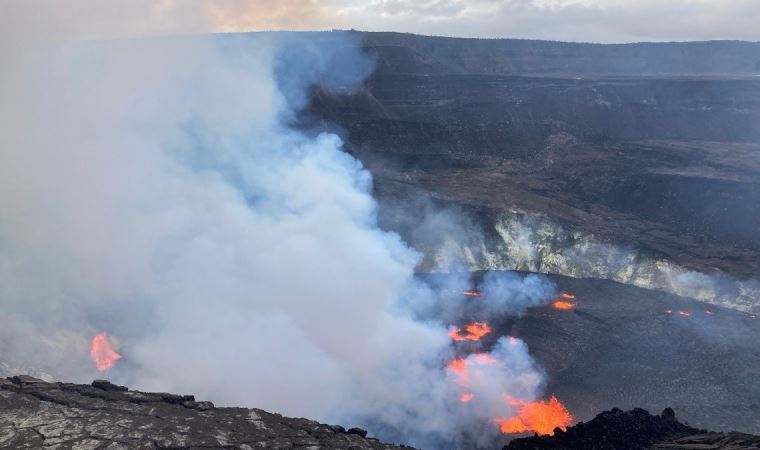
x=36, y=414
x=108, y=386
x=634, y=430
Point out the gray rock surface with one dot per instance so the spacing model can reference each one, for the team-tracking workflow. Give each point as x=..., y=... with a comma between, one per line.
x=37, y=414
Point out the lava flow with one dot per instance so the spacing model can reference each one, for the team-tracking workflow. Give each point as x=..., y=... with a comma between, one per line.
x=474, y=332
x=539, y=417
x=102, y=352
x=564, y=302
x=559, y=304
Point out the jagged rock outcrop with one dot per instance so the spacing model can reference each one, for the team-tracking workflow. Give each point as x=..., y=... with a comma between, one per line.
x=35, y=414
x=634, y=430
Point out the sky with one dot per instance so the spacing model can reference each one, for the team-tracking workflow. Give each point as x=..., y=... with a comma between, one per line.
x=568, y=20
x=571, y=20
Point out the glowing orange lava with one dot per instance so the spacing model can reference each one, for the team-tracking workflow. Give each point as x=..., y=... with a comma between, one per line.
x=461, y=366
x=472, y=293
x=466, y=397
x=540, y=417
x=475, y=331
x=564, y=302
x=102, y=352
x=457, y=366
x=559, y=304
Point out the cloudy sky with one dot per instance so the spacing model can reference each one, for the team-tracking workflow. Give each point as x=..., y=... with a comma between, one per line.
x=574, y=20
x=571, y=20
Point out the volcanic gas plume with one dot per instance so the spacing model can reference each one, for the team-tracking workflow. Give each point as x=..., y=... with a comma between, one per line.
x=171, y=201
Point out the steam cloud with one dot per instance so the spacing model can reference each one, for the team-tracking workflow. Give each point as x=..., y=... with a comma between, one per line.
x=154, y=189
x=535, y=243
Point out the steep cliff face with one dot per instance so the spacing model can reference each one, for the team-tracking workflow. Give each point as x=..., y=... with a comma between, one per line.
x=654, y=148
x=533, y=243
x=407, y=53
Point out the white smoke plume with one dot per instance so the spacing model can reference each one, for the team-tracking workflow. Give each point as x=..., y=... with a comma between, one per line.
x=501, y=294
x=154, y=189
x=535, y=243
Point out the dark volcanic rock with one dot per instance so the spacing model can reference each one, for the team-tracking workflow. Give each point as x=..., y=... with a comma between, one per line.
x=35, y=414
x=358, y=432
x=108, y=386
x=711, y=441
x=615, y=429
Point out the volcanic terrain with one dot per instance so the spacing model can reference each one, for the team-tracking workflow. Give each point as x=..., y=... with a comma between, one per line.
x=654, y=146
x=649, y=152
x=627, y=173
x=36, y=414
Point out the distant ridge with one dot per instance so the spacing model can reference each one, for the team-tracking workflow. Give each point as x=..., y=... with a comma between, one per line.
x=408, y=53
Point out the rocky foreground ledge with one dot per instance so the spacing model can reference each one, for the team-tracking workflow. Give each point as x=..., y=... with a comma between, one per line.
x=35, y=414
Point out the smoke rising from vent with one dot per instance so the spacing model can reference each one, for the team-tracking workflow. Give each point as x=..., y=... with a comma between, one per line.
x=535, y=243
x=154, y=190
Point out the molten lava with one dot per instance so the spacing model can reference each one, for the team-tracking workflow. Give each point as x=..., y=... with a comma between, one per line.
x=540, y=417
x=462, y=367
x=457, y=366
x=103, y=352
x=475, y=331
x=472, y=293
x=564, y=302
x=562, y=305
